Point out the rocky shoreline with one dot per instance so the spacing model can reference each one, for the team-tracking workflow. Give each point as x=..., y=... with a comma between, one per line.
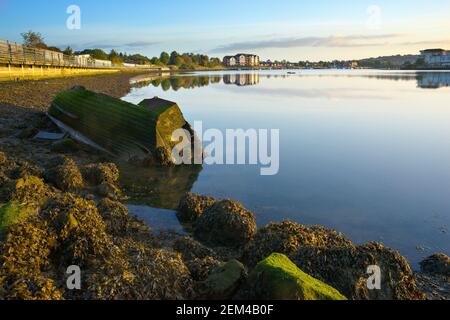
x=62, y=204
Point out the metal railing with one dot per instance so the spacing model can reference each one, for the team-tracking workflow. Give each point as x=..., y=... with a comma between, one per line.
x=12, y=53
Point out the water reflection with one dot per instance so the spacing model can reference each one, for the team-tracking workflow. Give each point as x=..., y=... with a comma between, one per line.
x=158, y=187
x=364, y=152
x=434, y=80
x=245, y=79
x=425, y=80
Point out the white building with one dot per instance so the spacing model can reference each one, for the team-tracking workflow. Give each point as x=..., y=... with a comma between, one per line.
x=229, y=61
x=242, y=60
x=436, y=57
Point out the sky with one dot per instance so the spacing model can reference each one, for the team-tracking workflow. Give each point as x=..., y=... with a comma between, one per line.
x=289, y=29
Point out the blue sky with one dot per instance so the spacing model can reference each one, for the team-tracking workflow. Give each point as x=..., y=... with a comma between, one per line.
x=287, y=29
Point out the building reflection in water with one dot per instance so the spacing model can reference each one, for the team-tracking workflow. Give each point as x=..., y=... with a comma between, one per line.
x=426, y=80
x=176, y=83
x=248, y=79
x=433, y=80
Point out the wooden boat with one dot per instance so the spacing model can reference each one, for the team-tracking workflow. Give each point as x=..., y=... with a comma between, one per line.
x=117, y=127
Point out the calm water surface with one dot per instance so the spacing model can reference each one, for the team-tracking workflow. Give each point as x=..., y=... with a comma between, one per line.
x=364, y=152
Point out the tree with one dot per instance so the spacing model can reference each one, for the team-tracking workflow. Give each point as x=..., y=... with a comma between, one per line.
x=178, y=61
x=173, y=56
x=187, y=59
x=155, y=61
x=137, y=59
x=33, y=39
x=204, y=61
x=164, y=58
x=96, y=54
x=56, y=49
x=68, y=51
x=215, y=62
x=115, y=58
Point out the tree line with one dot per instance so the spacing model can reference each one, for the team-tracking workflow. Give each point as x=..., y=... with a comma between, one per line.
x=175, y=59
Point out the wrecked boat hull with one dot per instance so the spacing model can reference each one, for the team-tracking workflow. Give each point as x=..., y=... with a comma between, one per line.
x=114, y=126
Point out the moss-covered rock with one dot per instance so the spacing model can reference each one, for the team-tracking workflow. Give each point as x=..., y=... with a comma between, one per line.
x=287, y=237
x=12, y=213
x=278, y=278
x=223, y=282
x=345, y=268
x=193, y=206
x=436, y=264
x=65, y=175
x=226, y=223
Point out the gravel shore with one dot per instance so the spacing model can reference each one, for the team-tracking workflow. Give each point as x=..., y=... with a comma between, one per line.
x=37, y=94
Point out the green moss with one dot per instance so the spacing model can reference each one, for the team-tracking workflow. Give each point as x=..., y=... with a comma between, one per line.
x=121, y=127
x=13, y=213
x=279, y=278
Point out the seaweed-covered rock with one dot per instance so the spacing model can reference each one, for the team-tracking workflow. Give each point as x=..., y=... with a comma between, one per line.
x=16, y=169
x=193, y=206
x=98, y=173
x=65, y=175
x=223, y=282
x=29, y=190
x=226, y=223
x=346, y=269
x=436, y=264
x=82, y=238
x=201, y=269
x=278, y=278
x=23, y=258
x=13, y=213
x=287, y=237
x=191, y=249
x=115, y=216
x=105, y=176
x=152, y=274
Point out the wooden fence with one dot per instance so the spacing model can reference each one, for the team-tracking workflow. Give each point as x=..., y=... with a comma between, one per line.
x=12, y=53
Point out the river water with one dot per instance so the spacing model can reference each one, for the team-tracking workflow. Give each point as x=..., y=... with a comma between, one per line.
x=364, y=152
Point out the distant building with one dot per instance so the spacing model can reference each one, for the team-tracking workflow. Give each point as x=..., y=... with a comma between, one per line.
x=87, y=60
x=242, y=60
x=229, y=61
x=83, y=59
x=436, y=57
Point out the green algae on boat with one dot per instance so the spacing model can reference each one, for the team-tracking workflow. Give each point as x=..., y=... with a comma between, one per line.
x=120, y=128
